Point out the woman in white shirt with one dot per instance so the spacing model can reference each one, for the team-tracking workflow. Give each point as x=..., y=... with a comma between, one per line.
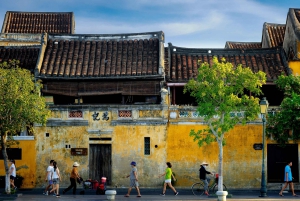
x=55, y=177
x=12, y=173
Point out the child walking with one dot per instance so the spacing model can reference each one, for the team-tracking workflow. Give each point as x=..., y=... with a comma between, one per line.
x=133, y=180
x=168, y=174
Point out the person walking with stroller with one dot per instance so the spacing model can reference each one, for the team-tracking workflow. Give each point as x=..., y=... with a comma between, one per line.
x=203, y=177
x=133, y=180
x=73, y=177
x=168, y=174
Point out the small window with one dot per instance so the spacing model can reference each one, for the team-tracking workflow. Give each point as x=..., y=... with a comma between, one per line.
x=13, y=153
x=147, y=145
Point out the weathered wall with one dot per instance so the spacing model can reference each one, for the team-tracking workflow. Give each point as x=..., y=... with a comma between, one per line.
x=54, y=147
x=242, y=164
x=128, y=145
x=26, y=167
x=295, y=66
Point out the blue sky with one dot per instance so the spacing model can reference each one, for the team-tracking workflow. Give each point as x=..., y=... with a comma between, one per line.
x=186, y=23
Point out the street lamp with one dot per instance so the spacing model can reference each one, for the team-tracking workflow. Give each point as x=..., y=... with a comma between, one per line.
x=264, y=111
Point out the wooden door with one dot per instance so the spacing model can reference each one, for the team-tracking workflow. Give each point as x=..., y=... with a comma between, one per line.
x=278, y=157
x=100, y=162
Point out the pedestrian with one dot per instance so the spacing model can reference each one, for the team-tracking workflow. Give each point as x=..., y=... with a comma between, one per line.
x=168, y=181
x=133, y=180
x=56, y=178
x=288, y=179
x=48, y=177
x=73, y=177
x=203, y=176
x=12, y=174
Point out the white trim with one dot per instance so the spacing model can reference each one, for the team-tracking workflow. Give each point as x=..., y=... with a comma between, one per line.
x=23, y=138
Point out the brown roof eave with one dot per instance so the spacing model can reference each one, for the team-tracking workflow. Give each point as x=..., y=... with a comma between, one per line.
x=153, y=77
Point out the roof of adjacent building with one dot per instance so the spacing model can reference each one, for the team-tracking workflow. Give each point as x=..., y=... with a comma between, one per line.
x=242, y=45
x=103, y=56
x=28, y=55
x=183, y=62
x=38, y=22
x=297, y=13
x=273, y=35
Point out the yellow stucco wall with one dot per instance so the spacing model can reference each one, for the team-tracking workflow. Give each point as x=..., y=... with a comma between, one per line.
x=128, y=145
x=54, y=148
x=27, y=166
x=295, y=66
x=242, y=164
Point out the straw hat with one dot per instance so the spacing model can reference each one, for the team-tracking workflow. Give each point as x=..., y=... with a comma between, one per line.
x=204, y=163
x=76, y=164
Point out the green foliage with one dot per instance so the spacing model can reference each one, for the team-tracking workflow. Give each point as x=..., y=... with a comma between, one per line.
x=288, y=117
x=20, y=105
x=219, y=90
x=20, y=100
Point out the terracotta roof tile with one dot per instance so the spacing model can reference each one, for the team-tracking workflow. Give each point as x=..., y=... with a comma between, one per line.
x=242, y=45
x=184, y=61
x=273, y=35
x=27, y=56
x=38, y=22
x=100, y=56
x=297, y=13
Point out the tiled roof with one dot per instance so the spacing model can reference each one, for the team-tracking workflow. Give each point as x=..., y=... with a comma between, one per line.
x=242, y=45
x=102, y=56
x=273, y=35
x=28, y=56
x=297, y=13
x=38, y=22
x=166, y=60
x=17, y=39
x=183, y=61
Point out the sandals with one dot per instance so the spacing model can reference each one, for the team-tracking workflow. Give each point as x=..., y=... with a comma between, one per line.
x=139, y=196
x=281, y=195
x=126, y=195
x=295, y=195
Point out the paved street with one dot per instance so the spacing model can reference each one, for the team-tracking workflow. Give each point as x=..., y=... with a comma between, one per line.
x=147, y=194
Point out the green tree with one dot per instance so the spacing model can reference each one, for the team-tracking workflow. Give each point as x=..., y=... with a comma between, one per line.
x=219, y=90
x=20, y=105
x=288, y=117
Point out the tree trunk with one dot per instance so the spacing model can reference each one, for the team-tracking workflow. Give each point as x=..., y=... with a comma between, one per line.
x=5, y=159
x=220, y=183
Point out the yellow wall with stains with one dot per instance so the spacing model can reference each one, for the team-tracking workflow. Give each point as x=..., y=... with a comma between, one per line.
x=295, y=66
x=26, y=167
x=128, y=145
x=54, y=148
x=242, y=164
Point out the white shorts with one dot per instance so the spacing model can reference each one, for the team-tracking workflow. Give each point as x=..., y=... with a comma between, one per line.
x=168, y=181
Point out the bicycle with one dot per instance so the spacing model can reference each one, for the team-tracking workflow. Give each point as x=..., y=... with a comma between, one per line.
x=198, y=187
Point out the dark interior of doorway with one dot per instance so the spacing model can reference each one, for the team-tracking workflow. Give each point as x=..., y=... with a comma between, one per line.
x=100, y=162
x=278, y=158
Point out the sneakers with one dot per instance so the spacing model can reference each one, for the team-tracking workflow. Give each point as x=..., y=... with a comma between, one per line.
x=162, y=194
x=176, y=193
x=58, y=196
x=15, y=188
x=54, y=194
x=46, y=193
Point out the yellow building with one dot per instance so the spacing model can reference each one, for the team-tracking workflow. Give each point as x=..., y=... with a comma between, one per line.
x=119, y=98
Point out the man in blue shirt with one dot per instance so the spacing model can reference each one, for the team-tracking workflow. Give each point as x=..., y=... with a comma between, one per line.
x=288, y=179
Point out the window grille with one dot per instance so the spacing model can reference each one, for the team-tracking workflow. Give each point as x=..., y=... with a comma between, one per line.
x=147, y=145
x=125, y=113
x=75, y=114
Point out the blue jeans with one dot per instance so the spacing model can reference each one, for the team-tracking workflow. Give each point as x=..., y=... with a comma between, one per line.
x=206, y=182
